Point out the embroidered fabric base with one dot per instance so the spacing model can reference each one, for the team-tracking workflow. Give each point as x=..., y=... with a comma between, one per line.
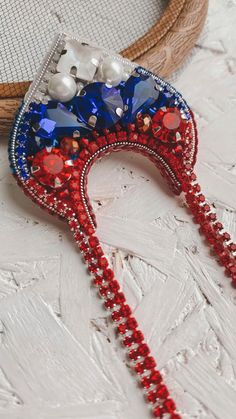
x=83, y=104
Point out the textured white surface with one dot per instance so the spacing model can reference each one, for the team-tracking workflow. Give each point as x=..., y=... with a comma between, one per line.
x=59, y=358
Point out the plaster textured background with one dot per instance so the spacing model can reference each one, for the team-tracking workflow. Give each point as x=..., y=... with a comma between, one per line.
x=59, y=357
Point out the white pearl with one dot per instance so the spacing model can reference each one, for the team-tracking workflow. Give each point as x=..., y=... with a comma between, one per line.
x=62, y=87
x=110, y=71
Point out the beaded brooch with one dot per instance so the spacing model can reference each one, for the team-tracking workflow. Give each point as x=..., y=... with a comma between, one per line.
x=83, y=104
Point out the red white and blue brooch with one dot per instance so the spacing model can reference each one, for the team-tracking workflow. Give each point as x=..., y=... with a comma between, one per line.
x=84, y=103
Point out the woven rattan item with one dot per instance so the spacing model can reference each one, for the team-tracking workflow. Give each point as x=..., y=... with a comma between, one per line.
x=162, y=49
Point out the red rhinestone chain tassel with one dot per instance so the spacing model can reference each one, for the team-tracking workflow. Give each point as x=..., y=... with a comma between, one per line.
x=213, y=230
x=138, y=352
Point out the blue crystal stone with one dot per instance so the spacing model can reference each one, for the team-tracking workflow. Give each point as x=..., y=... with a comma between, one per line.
x=99, y=105
x=46, y=128
x=24, y=128
x=138, y=94
x=21, y=139
x=37, y=111
x=66, y=122
x=21, y=161
x=20, y=150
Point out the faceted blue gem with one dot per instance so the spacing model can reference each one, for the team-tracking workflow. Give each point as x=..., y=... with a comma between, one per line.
x=21, y=138
x=37, y=111
x=139, y=93
x=24, y=128
x=65, y=121
x=46, y=128
x=20, y=150
x=21, y=161
x=99, y=105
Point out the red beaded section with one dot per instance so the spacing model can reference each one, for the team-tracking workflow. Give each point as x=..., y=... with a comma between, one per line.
x=130, y=336
x=219, y=240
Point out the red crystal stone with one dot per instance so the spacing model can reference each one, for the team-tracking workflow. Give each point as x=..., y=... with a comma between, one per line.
x=122, y=328
x=152, y=397
x=170, y=406
x=128, y=341
x=158, y=412
x=133, y=354
x=149, y=363
x=125, y=310
x=172, y=119
x=138, y=336
x=93, y=241
x=116, y=316
x=108, y=274
x=162, y=392
x=69, y=145
x=143, y=350
x=131, y=323
x=103, y=263
x=145, y=382
x=114, y=286
x=139, y=368
x=51, y=168
x=155, y=377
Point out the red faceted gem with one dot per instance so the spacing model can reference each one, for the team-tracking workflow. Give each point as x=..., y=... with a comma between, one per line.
x=139, y=368
x=98, y=251
x=76, y=173
x=93, y=147
x=69, y=146
x=102, y=262
x=103, y=291
x=145, y=382
x=133, y=354
x=98, y=280
x=108, y=274
x=83, y=247
x=131, y=323
x=84, y=154
x=172, y=119
x=138, y=336
x=162, y=392
x=74, y=185
x=125, y=310
x=51, y=168
x=88, y=229
x=114, y=286
x=143, y=349
x=116, y=316
x=152, y=397
x=101, y=141
x=76, y=197
x=149, y=363
x=232, y=247
x=93, y=241
x=119, y=298
x=128, y=341
x=122, y=328
x=158, y=412
x=109, y=304
x=155, y=377
x=170, y=406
